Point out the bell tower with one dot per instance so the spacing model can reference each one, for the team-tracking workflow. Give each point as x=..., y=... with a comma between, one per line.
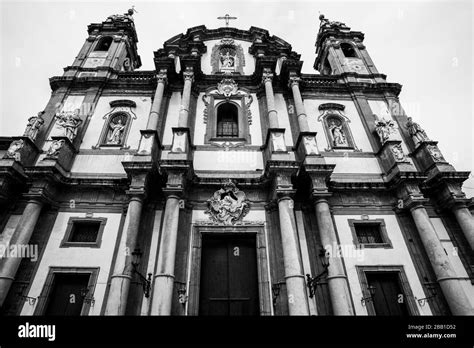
x=341, y=50
x=110, y=47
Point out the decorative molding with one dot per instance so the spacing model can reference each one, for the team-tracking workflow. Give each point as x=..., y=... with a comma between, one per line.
x=228, y=205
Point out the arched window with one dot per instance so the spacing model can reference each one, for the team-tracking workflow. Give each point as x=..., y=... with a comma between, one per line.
x=227, y=121
x=348, y=50
x=104, y=44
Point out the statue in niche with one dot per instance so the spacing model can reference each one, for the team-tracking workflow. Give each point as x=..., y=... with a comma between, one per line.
x=227, y=60
x=116, y=132
x=34, y=125
x=53, y=150
x=416, y=132
x=337, y=132
x=70, y=121
x=384, y=128
x=12, y=151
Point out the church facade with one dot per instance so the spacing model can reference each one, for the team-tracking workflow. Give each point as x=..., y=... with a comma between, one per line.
x=226, y=182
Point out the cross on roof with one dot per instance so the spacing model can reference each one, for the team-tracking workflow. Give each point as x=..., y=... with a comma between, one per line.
x=227, y=18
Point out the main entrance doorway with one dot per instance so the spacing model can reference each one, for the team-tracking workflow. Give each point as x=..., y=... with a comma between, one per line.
x=229, y=279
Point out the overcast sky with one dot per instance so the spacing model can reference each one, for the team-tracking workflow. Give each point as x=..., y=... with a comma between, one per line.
x=424, y=45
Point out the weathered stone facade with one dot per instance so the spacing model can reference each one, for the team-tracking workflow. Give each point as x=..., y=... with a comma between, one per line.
x=225, y=138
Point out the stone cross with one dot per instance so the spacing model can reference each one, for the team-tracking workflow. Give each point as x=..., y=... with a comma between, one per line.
x=227, y=18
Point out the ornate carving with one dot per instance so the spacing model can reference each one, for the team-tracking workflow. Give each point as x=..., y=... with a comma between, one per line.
x=70, y=122
x=416, y=132
x=294, y=80
x=267, y=75
x=398, y=153
x=435, y=153
x=227, y=145
x=384, y=128
x=13, y=150
x=228, y=205
x=248, y=102
x=188, y=74
x=227, y=87
x=227, y=57
x=34, y=125
x=162, y=77
x=54, y=149
x=206, y=99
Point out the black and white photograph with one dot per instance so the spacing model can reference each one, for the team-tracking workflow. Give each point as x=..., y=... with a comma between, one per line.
x=171, y=166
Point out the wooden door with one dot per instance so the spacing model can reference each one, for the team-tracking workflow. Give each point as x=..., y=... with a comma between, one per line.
x=65, y=297
x=229, y=281
x=389, y=298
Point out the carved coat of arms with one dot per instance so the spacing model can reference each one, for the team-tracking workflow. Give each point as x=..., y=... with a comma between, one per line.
x=228, y=205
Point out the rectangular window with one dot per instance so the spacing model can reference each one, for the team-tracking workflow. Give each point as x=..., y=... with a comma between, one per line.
x=370, y=233
x=84, y=232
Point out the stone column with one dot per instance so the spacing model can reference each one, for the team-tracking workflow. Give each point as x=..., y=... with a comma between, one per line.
x=465, y=220
x=188, y=76
x=21, y=236
x=123, y=269
x=337, y=279
x=164, y=276
x=446, y=276
x=267, y=78
x=295, y=281
x=300, y=110
x=153, y=118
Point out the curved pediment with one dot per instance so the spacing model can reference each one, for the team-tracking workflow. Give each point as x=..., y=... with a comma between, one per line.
x=225, y=50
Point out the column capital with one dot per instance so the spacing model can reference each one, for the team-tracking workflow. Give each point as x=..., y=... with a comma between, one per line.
x=188, y=74
x=162, y=76
x=294, y=80
x=267, y=75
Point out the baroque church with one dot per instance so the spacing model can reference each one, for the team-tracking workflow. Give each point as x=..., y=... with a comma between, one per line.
x=227, y=182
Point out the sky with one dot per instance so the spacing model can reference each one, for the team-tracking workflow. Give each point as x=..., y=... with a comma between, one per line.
x=426, y=46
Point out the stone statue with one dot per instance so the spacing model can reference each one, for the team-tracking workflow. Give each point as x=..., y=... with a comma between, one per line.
x=34, y=125
x=227, y=60
x=116, y=132
x=53, y=150
x=70, y=121
x=125, y=16
x=384, y=128
x=416, y=132
x=338, y=136
x=12, y=151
